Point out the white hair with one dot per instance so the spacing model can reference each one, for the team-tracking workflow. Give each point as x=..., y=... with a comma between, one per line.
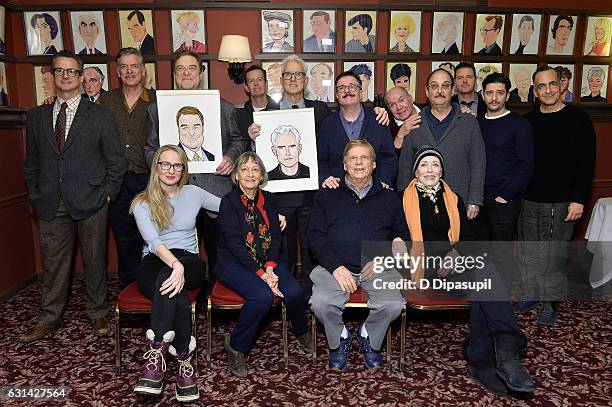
x=285, y=129
x=295, y=58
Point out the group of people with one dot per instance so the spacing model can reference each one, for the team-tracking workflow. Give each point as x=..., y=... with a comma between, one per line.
x=465, y=168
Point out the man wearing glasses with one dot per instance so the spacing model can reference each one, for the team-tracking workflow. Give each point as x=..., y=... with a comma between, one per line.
x=457, y=136
x=129, y=106
x=188, y=73
x=74, y=166
x=489, y=31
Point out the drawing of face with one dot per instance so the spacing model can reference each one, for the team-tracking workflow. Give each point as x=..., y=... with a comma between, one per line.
x=359, y=33
x=48, y=84
x=523, y=80
x=443, y=30
x=403, y=82
x=189, y=28
x=562, y=33
x=489, y=33
x=92, y=82
x=287, y=151
x=365, y=85
x=318, y=74
x=320, y=27
x=137, y=30
x=402, y=33
x=191, y=131
x=88, y=29
x=595, y=84
x=43, y=30
x=277, y=29
x=564, y=83
x=525, y=31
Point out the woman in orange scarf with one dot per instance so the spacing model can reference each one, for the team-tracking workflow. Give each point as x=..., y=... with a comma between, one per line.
x=437, y=218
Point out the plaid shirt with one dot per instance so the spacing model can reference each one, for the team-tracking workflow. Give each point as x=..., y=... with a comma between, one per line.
x=73, y=104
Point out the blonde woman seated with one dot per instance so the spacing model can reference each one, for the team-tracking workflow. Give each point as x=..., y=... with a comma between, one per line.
x=436, y=218
x=166, y=216
x=248, y=261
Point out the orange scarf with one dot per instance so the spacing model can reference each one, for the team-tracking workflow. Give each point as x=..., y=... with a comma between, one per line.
x=413, y=218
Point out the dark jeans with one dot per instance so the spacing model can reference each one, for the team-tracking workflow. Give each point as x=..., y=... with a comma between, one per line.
x=259, y=298
x=209, y=232
x=127, y=237
x=170, y=314
x=57, y=239
x=297, y=225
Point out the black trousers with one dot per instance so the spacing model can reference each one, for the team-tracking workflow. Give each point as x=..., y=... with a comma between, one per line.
x=170, y=314
x=127, y=237
x=209, y=232
x=297, y=225
x=501, y=218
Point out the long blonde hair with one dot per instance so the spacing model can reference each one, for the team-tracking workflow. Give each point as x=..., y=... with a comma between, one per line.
x=159, y=207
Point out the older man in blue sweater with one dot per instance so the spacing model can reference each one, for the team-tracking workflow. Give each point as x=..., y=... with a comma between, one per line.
x=359, y=209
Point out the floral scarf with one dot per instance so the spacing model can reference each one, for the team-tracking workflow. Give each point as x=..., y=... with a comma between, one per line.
x=258, y=239
x=433, y=193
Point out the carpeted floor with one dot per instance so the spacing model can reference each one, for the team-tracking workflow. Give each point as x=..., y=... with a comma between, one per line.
x=571, y=362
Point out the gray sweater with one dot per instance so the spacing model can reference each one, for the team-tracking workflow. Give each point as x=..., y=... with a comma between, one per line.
x=464, y=155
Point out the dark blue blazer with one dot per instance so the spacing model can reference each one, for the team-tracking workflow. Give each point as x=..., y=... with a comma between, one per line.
x=231, y=247
x=452, y=50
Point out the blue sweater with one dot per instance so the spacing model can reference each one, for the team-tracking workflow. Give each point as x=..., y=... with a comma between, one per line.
x=332, y=139
x=340, y=221
x=509, y=147
x=231, y=247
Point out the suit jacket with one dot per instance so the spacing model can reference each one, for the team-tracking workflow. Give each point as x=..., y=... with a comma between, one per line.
x=496, y=50
x=232, y=144
x=148, y=45
x=310, y=43
x=482, y=108
x=209, y=156
x=452, y=50
x=245, y=119
x=89, y=168
x=86, y=96
x=84, y=51
x=357, y=46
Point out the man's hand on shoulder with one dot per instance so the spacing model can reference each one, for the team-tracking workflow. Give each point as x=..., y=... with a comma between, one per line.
x=382, y=116
x=331, y=182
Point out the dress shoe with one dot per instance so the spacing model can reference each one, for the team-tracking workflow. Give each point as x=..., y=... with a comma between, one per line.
x=100, y=326
x=338, y=357
x=235, y=359
x=372, y=358
x=39, y=331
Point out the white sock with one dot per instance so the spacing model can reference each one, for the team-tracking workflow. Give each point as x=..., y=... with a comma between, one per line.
x=344, y=333
x=363, y=332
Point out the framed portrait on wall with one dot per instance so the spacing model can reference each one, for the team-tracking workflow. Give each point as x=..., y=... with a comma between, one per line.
x=273, y=73
x=43, y=32
x=150, y=81
x=288, y=148
x=365, y=71
x=277, y=31
x=320, y=81
x=188, y=31
x=448, y=66
x=136, y=28
x=525, y=34
x=92, y=86
x=319, y=31
x=401, y=74
x=566, y=72
x=44, y=83
x=88, y=35
x=447, y=34
x=203, y=78
x=489, y=34
x=405, y=32
x=483, y=69
x=360, y=32
x=561, y=34
x=191, y=119
x=594, y=84
x=2, y=30
x=522, y=85
x=4, y=101
x=597, y=37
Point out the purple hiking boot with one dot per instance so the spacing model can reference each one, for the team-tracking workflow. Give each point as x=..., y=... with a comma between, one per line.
x=186, y=378
x=151, y=381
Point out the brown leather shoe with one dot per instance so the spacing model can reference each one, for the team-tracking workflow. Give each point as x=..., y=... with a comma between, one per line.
x=39, y=331
x=100, y=326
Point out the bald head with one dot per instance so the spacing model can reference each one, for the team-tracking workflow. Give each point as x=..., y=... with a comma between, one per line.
x=400, y=103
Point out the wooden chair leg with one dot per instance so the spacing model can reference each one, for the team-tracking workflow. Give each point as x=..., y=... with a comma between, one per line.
x=313, y=327
x=403, y=339
x=208, y=332
x=194, y=332
x=117, y=342
x=285, y=340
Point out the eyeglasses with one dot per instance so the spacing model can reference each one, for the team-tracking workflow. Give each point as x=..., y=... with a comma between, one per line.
x=435, y=86
x=293, y=75
x=165, y=165
x=70, y=72
x=345, y=88
x=485, y=30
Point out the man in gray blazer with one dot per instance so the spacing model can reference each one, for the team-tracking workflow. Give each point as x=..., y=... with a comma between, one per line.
x=74, y=166
x=457, y=136
x=187, y=76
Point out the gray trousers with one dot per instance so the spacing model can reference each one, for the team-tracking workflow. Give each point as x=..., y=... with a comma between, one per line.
x=57, y=239
x=544, y=248
x=328, y=302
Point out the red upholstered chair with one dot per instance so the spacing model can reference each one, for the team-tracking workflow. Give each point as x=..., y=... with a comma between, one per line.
x=131, y=301
x=357, y=299
x=222, y=297
x=427, y=300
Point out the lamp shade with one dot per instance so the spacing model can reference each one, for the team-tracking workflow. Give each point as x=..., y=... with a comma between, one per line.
x=234, y=48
